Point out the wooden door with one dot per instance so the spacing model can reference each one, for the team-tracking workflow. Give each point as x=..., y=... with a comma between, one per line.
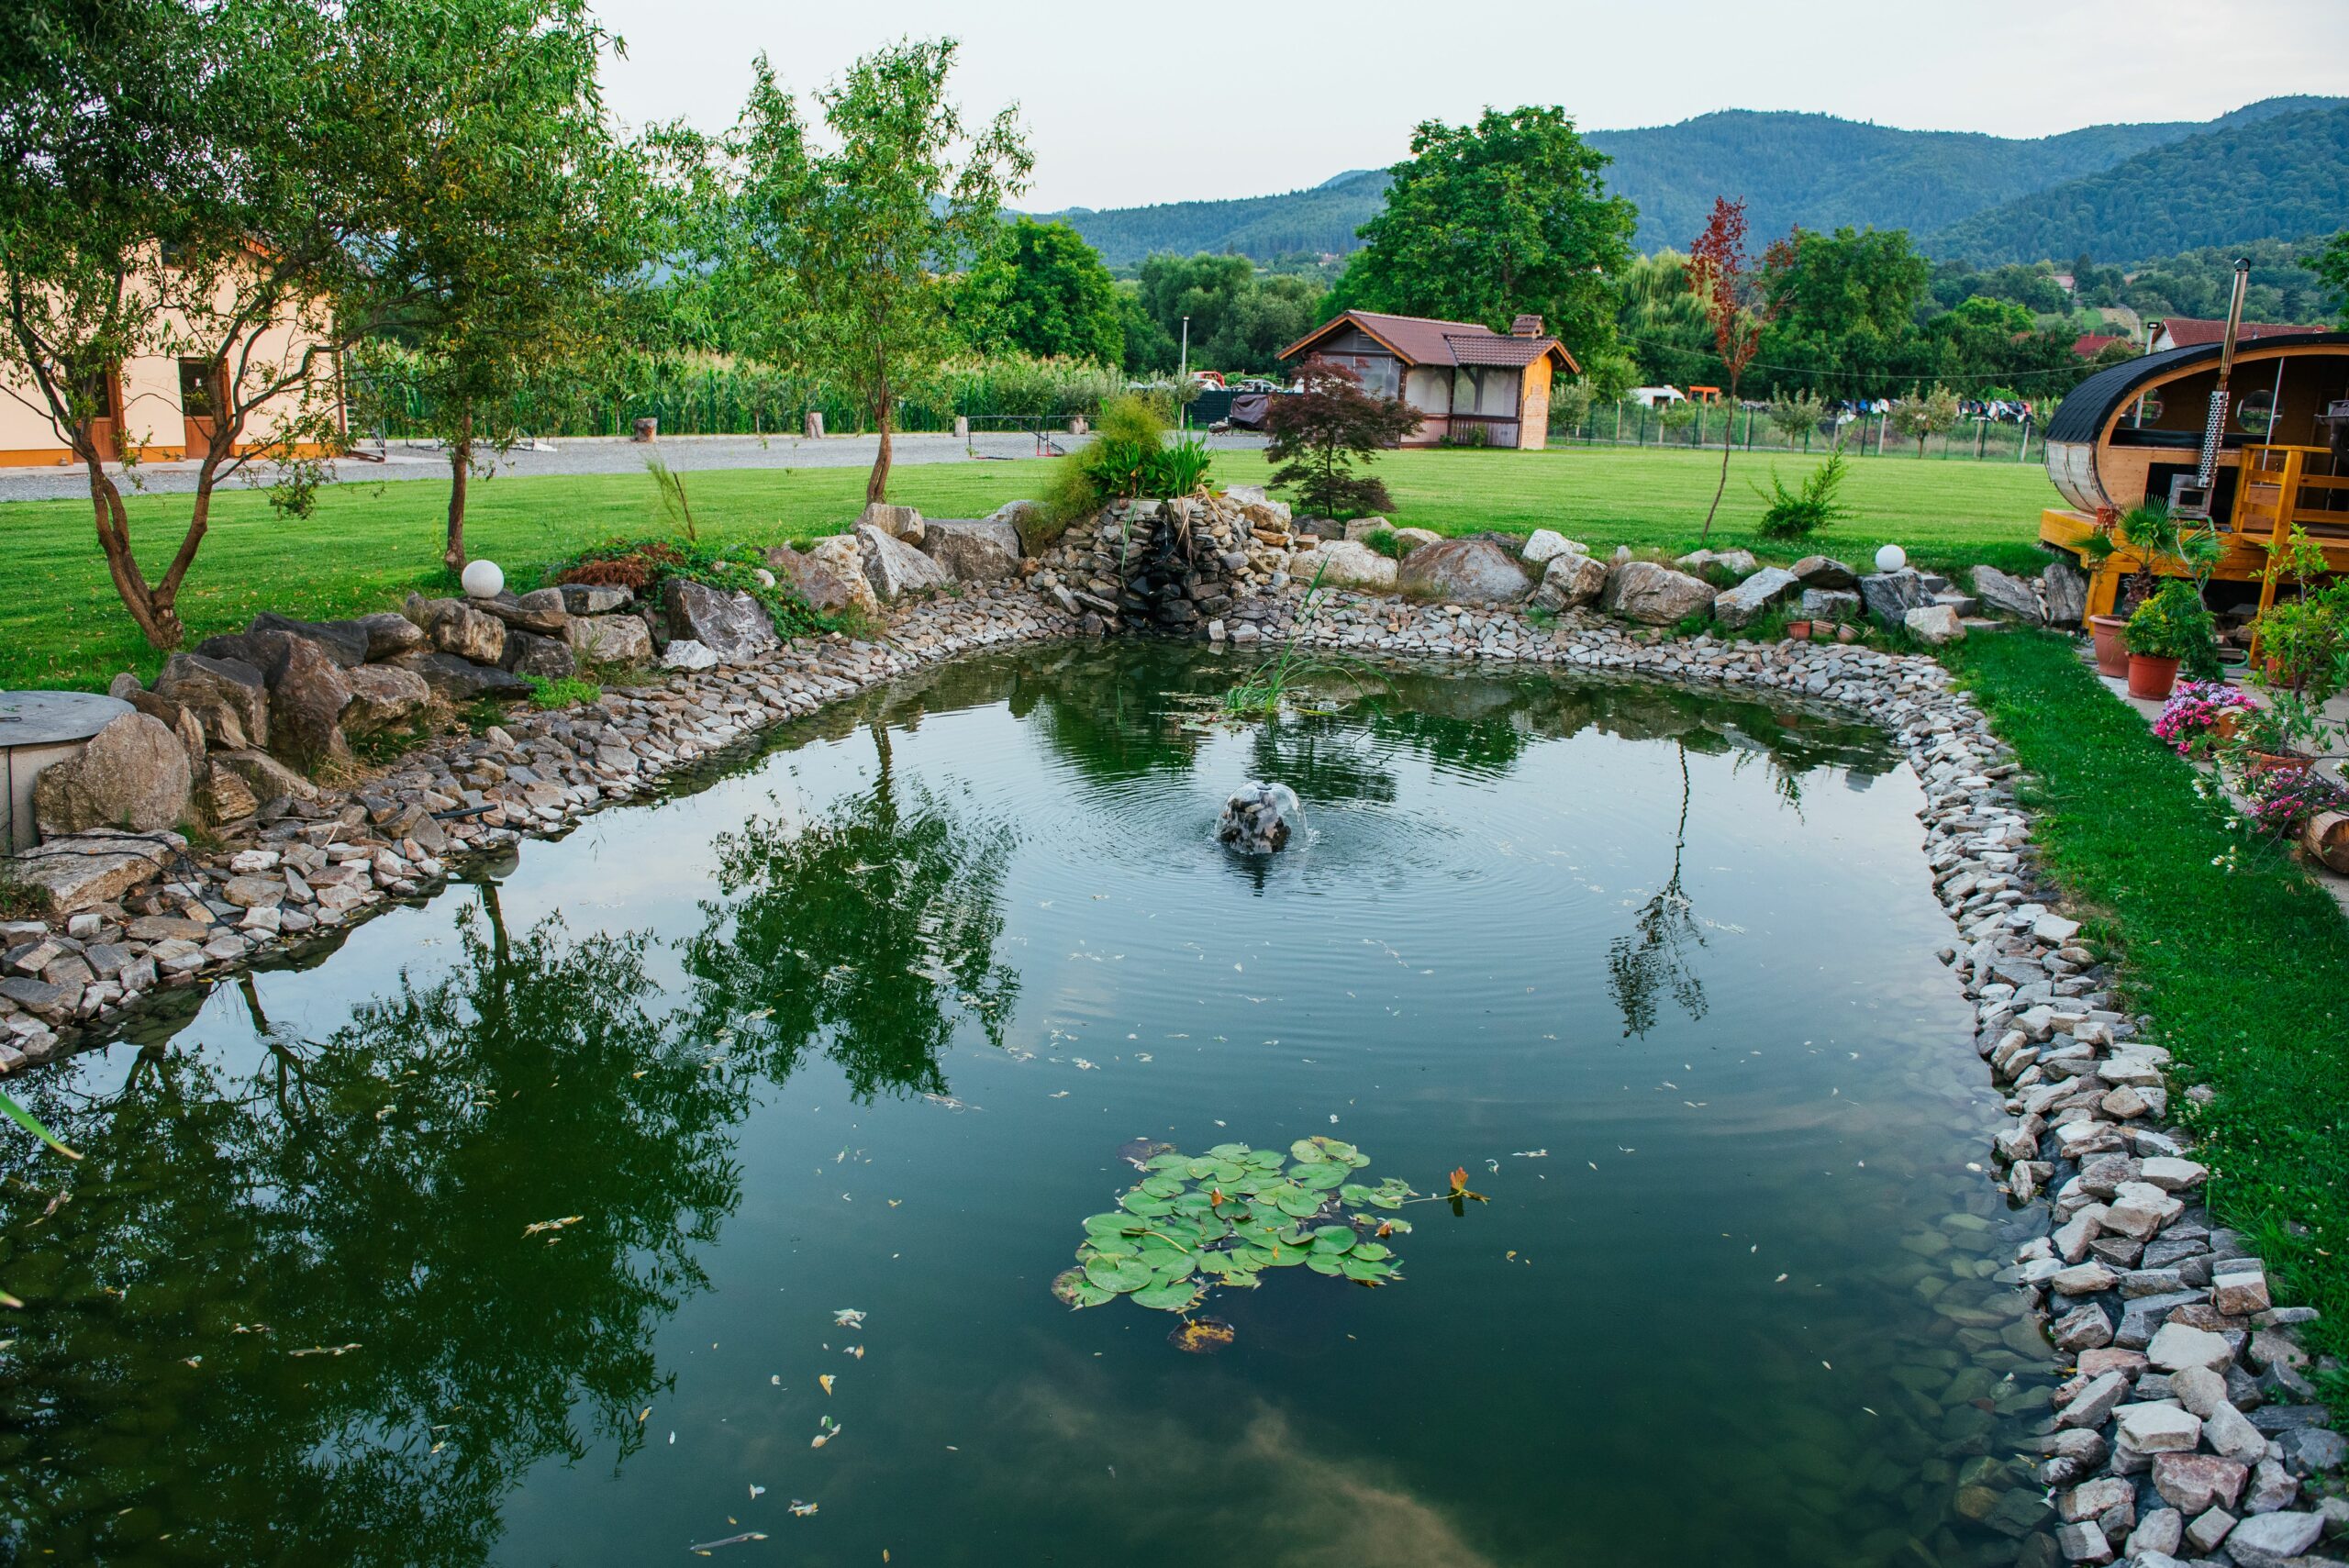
x=105, y=393
x=199, y=403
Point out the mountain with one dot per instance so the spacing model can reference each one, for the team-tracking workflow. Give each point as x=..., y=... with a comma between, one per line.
x=1814, y=169
x=2277, y=178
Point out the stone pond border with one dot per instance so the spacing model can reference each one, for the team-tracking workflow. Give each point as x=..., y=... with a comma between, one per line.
x=2187, y=1430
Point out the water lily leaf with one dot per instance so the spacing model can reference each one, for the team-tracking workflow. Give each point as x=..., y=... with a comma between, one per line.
x=1193, y=1200
x=1112, y=1224
x=1119, y=1275
x=1222, y=1263
x=1372, y=1251
x=1365, y=1271
x=1168, y=1161
x=1331, y=1247
x=1226, y=1171
x=1318, y=1178
x=1325, y=1263
x=1284, y=1256
x=1296, y=1236
x=1298, y=1203
x=1108, y=1247
x=1354, y=1193
x=1170, y=1296
x=1201, y=1170
x=1144, y=1205
x=1265, y=1159
x=1162, y=1186
x=1378, y=1200
x=1307, y=1151
x=1395, y=1227
x=1228, y=1151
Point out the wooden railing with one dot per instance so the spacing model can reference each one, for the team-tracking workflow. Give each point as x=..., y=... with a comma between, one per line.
x=2281, y=488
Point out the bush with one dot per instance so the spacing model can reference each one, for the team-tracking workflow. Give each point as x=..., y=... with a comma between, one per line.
x=1798, y=514
x=1320, y=433
x=567, y=692
x=643, y=564
x=2174, y=624
x=1130, y=456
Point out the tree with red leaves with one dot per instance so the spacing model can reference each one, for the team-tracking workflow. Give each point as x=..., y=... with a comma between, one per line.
x=1321, y=431
x=1725, y=280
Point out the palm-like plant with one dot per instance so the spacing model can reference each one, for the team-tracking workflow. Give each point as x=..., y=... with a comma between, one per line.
x=2156, y=532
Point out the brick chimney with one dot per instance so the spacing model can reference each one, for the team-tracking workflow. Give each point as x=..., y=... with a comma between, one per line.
x=1526, y=326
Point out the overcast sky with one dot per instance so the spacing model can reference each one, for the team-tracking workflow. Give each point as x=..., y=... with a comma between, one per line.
x=1129, y=104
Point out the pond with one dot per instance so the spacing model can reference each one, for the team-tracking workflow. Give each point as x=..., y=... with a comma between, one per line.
x=700, y=1181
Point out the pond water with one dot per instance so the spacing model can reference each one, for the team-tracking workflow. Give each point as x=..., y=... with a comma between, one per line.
x=521, y=1231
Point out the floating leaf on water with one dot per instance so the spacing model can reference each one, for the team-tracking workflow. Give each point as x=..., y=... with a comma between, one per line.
x=1145, y=1206
x=1264, y=1159
x=1118, y=1275
x=1298, y=1203
x=1324, y=1262
x=1113, y=1224
x=1307, y=1151
x=1200, y=1336
x=1372, y=1251
x=1228, y=1151
x=1173, y=1295
x=800, y=1510
x=1169, y=1161
x=825, y=1382
x=1318, y=1178
x=1164, y=1187
x=1366, y=1271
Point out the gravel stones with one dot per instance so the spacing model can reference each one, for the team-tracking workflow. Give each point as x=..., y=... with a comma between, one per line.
x=133, y=773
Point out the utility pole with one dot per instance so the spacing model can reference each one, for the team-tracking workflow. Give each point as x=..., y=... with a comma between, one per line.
x=1183, y=377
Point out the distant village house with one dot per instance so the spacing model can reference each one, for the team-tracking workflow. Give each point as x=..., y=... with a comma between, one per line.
x=1468, y=383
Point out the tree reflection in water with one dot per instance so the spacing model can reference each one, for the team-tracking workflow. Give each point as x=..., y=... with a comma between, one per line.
x=294, y=1316
x=874, y=926
x=1653, y=959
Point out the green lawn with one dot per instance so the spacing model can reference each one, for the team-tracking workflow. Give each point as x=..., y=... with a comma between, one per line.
x=2241, y=961
x=370, y=543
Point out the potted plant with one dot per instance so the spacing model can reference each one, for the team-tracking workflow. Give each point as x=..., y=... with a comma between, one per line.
x=2170, y=629
x=2155, y=535
x=2201, y=716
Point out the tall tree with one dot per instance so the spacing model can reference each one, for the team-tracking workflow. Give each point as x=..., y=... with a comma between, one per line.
x=1045, y=293
x=1240, y=319
x=505, y=211
x=1487, y=221
x=873, y=228
x=1722, y=277
x=2331, y=266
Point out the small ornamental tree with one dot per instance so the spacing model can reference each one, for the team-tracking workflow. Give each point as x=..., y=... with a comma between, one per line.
x=1726, y=282
x=1320, y=433
x=1925, y=413
x=1794, y=415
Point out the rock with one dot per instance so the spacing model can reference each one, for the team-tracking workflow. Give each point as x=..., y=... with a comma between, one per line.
x=87, y=870
x=1569, y=581
x=973, y=551
x=222, y=795
x=1411, y=539
x=1935, y=626
x=1464, y=571
x=2085, y=1328
x=2172, y=1174
x=2193, y=1483
x=896, y=569
x=2084, y=1279
x=1829, y=604
x=735, y=627
x=2313, y=1451
x=383, y=696
x=2272, y=1540
x=1825, y=571
x=1655, y=595
x=226, y=695
x=540, y=610
x=2094, y=1403
x=2176, y=1347
x=2272, y=1489
x=609, y=640
x=1019, y=517
x=268, y=778
x=344, y=641
x=132, y=775
x=2008, y=595
x=819, y=586
x=2159, y=1530
x=2066, y=589
x=1545, y=545
x=1891, y=596
x=1360, y=529
x=594, y=598
x=389, y=635
x=1349, y=563
x=2199, y=1389
x=1744, y=604
x=2204, y=1533
x=901, y=523
x=1736, y=563
x=307, y=693
x=685, y=653
x=2230, y=1433
x=548, y=658
x=841, y=556
x=2083, y=1542
x=2239, y=1293
x=2158, y=1429
x=453, y=626
x=459, y=681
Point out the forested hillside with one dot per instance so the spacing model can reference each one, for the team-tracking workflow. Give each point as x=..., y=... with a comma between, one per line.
x=1323, y=220
x=2282, y=177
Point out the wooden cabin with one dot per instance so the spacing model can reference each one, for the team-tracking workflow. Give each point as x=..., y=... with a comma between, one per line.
x=1468, y=383
x=2128, y=431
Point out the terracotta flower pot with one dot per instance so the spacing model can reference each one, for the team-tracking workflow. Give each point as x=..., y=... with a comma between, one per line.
x=2111, y=653
x=1799, y=630
x=1847, y=634
x=2150, y=677
x=2255, y=763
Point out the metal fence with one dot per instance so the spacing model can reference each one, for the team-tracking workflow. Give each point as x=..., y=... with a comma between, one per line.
x=1706, y=425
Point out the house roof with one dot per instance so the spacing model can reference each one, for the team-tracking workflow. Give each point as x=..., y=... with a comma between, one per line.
x=2186, y=331
x=2088, y=345
x=1424, y=340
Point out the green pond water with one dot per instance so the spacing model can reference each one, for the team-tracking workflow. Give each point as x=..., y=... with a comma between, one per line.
x=518, y=1228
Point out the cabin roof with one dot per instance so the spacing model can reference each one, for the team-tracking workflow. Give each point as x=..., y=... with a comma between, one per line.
x=2081, y=416
x=1426, y=341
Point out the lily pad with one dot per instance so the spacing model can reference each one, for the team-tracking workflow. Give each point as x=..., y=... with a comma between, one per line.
x=1318, y=1178
x=1170, y=1295
x=1307, y=1151
x=1162, y=1185
x=1325, y=1263
x=1120, y=1274
x=1144, y=1205
x=1366, y=1271
x=1297, y=1202
x=1069, y=1285
x=1372, y=1250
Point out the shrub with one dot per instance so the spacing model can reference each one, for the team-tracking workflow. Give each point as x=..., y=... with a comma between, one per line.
x=1321, y=432
x=1130, y=455
x=1800, y=513
x=1388, y=543
x=2174, y=624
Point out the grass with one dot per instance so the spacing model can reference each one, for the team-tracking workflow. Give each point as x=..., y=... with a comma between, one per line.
x=2241, y=961
x=370, y=543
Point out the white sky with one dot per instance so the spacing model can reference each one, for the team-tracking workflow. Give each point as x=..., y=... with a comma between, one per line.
x=1126, y=104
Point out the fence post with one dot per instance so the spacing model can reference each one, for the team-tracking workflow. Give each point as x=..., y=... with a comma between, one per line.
x=2023, y=451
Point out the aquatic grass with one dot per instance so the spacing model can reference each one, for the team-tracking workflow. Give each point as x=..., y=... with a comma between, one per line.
x=2240, y=961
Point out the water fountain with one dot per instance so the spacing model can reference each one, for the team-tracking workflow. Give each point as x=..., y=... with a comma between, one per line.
x=1260, y=819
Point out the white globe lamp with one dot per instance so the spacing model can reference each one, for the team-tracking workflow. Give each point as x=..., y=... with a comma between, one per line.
x=1891, y=558
x=482, y=580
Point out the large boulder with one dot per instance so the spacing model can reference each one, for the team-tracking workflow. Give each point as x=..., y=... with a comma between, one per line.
x=453, y=626
x=595, y=598
x=1935, y=626
x=1654, y=595
x=1744, y=604
x=1830, y=604
x=133, y=774
x=307, y=691
x=540, y=610
x=458, y=682
x=900, y=523
x=734, y=625
x=1569, y=581
x=895, y=568
x=1464, y=571
x=821, y=588
x=548, y=658
x=2067, y=590
x=265, y=776
x=1359, y=529
x=1736, y=563
x=1826, y=571
x=1348, y=563
x=344, y=641
x=1891, y=596
x=389, y=635
x=383, y=696
x=228, y=696
x=609, y=640
x=973, y=551
x=840, y=555
x=2008, y=595
x=223, y=796
x=1543, y=545
x=87, y=870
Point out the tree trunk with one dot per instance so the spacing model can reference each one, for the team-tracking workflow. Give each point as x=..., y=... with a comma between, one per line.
x=876, y=483
x=461, y=467
x=1723, y=488
x=153, y=611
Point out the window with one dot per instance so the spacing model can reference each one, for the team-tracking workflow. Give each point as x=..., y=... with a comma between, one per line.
x=1382, y=374
x=196, y=399
x=2255, y=415
x=99, y=392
